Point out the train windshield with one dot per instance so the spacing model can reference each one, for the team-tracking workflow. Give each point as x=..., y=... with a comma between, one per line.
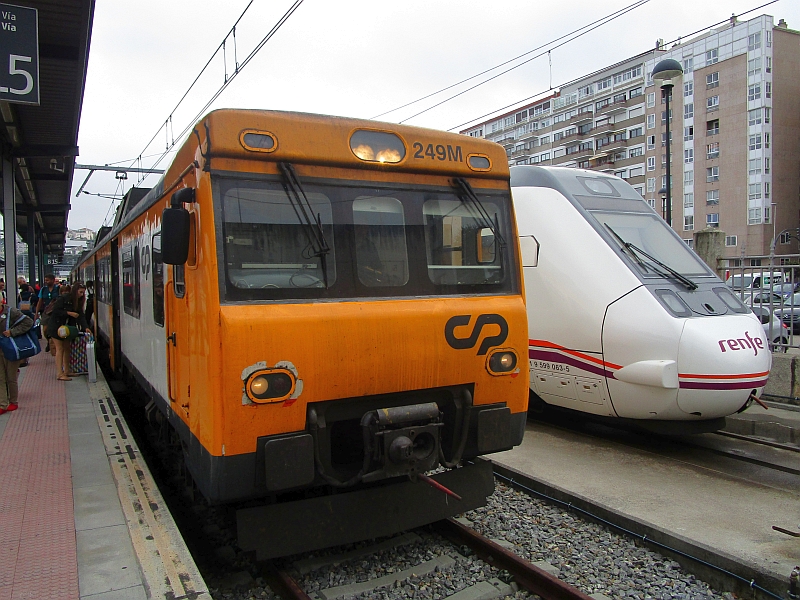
x=387, y=240
x=649, y=233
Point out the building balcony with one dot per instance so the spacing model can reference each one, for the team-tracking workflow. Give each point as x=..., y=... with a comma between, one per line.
x=520, y=153
x=580, y=153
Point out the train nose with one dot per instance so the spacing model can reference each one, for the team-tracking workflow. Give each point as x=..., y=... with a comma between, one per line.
x=721, y=361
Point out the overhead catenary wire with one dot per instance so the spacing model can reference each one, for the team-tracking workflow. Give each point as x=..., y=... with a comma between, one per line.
x=545, y=91
x=509, y=61
x=599, y=24
x=228, y=80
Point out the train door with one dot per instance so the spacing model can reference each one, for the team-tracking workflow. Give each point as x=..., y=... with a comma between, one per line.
x=116, y=337
x=178, y=309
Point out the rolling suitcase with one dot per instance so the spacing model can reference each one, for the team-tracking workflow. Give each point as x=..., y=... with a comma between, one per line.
x=90, y=358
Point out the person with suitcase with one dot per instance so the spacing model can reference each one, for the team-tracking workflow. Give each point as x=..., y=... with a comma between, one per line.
x=67, y=321
x=14, y=323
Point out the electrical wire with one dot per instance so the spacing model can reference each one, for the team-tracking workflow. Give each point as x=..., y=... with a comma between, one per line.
x=605, y=21
x=542, y=92
x=502, y=64
x=228, y=80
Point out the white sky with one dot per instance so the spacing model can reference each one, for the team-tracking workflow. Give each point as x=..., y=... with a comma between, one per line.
x=353, y=58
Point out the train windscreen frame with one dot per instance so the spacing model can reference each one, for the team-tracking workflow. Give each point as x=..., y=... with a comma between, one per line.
x=384, y=240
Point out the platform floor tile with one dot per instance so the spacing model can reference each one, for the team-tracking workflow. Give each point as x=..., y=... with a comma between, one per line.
x=37, y=528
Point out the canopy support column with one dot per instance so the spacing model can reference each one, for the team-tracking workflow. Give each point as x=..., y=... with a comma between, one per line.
x=10, y=230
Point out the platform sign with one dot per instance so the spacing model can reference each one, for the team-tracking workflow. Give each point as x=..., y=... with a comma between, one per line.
x=19, y=54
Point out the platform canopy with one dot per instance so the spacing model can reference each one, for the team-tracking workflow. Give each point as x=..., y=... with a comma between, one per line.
x=41, y=141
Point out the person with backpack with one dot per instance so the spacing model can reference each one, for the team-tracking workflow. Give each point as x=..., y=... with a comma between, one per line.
x=14, y=323
x=47, y=297
x=68, y=311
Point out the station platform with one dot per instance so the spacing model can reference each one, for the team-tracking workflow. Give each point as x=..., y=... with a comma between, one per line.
x=715, y=509
x=80, y=516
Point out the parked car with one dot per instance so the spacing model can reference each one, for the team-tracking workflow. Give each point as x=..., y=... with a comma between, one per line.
x=786, y=289
x=755, y=297
x=755, y=280
x=780, y=332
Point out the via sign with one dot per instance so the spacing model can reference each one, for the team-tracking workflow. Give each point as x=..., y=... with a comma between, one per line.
x=19, y=54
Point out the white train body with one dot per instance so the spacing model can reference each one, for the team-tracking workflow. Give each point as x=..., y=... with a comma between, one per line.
x=610, y=335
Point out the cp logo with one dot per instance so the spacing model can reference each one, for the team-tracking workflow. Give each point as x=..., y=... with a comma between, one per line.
x=469, y=342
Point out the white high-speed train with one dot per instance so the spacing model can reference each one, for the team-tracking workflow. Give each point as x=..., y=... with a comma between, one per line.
x=625, y=321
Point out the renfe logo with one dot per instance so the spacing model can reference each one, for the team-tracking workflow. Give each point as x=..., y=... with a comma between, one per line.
x=754, y=344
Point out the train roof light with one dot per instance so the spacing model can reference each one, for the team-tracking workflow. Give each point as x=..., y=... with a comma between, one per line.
x=377, y=146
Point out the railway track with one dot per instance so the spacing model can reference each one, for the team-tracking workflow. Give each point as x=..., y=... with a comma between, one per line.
x=527, y=575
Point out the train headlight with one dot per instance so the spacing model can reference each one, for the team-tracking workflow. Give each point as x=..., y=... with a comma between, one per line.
x=502, y=362
x=274, y=385
x=377, y=146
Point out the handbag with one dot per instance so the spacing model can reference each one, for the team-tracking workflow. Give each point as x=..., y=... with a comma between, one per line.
x=68, y=332
x=19, y=347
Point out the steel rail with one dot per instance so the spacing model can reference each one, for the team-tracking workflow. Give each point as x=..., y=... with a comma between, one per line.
x=284, y=584
x=528, y=575
x=756, y=440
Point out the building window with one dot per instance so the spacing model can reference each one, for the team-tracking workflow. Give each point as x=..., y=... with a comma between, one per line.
x=651, y=184
x=766, y=165
x=603, y=84
x=712, y=57
x=712, y=174
x=651, y=163
x=768, y=89
x=768, y=64
x=638, y=151
x=689, y=242
x=754, y=66
x=712, y=127
x=754, y=41
x=766, y=189
x=638, y=131
x=664, y=181
x=688, y=200
x=712, y=150
x=730, y=240
x=767, y=111
x=627, y=75
x=754, y=216
x=688, y=155
x=664, y=139
x=688, y=178
x=712, y=220
x=766, y=140
x=754, y=191
x=635, y=92
x=688, y=64
x=651, y=142
x=754, y=116
x=664, y=160
x=785, y=238
x=545, y=139
x=636, y=172
x=651, y=100
x=754, y=142
x=544, y=157
x=712, y=197
x=712, y=103
x=754, y=91
x=688, y=89
x=767, y=214
x=712, y=80
x=688, y=133
x=754, y=166
x=664, y=116
x=651, y=121
x=688, y=110
x=688, y=223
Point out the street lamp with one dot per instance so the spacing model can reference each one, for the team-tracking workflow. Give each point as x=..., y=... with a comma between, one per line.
x=665, y=74
x=663, y=193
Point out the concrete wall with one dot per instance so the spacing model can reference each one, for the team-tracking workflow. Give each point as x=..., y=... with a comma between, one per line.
x=784, y=379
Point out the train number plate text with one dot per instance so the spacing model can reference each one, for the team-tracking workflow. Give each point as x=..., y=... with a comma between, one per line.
x=438, y=152
x=543, y=365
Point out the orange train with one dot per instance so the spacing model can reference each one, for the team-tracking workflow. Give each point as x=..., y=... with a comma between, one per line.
x=324, y=310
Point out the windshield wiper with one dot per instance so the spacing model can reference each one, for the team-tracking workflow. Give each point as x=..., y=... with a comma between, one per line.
x=635, y=251
x=305, y=214
x=467, y=195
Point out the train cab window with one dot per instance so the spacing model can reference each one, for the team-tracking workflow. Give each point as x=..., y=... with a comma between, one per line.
x=158, y=281
x=179, y=280
x=381, y=254
x=649, y=232
x=460, y=248
x=268, y=243
x=130, y=281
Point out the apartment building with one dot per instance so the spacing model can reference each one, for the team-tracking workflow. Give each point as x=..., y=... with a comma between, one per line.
x=734, y=129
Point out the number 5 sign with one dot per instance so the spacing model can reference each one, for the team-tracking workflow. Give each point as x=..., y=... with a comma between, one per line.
x=19, y=54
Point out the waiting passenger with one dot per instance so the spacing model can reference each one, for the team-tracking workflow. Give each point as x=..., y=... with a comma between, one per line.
x=67, y=311
x=9, y=369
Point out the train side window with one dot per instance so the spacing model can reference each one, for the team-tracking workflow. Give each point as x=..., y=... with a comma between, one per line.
x=381, y=254
x=158, y=281
x=130, y=281
x=191, y=260
x=179, y=280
